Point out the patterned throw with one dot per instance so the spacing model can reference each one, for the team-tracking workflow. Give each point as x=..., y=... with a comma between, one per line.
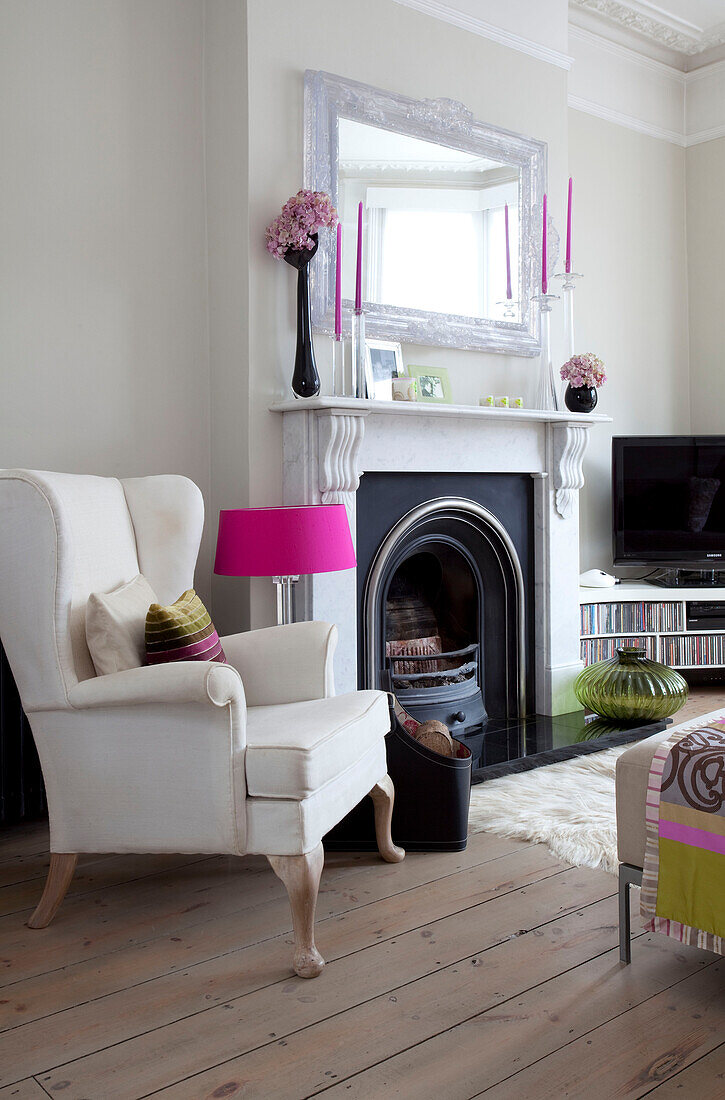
x=183, y=631
x=683, y=884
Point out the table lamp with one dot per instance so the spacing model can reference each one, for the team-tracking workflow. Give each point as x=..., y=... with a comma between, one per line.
x=283, y=543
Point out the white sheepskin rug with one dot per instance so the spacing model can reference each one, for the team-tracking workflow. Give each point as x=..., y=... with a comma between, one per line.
x=569, y=807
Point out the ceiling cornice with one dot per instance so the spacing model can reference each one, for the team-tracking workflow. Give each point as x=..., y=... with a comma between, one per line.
x=655, y=25
x=628, y=54
x=467, y=22
x=629, y=122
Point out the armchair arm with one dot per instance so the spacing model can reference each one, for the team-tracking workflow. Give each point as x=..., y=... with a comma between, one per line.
x=148, y=760
x=176, y=682
x=284, y=664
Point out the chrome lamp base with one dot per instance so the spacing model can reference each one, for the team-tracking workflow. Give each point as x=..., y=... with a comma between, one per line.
x=285, y=599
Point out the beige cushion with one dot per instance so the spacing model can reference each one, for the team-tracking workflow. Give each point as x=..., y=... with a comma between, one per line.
x=294, y=749
x=115, y=623
x=632, y=775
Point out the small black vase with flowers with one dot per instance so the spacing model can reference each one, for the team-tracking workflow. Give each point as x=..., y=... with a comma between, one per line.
x=585, y=374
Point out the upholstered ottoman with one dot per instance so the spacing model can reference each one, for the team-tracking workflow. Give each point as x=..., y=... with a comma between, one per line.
x=632, y=774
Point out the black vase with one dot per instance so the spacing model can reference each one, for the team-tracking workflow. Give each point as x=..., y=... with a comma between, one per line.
x=305, y=380
x=580, y=399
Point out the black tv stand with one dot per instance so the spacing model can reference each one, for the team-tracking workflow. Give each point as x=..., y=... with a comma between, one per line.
x=690, y=578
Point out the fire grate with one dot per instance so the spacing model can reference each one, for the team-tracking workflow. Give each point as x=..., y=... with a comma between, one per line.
x=455, y=676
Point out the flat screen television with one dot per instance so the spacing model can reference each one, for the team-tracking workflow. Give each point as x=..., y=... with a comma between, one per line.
x=669, y=500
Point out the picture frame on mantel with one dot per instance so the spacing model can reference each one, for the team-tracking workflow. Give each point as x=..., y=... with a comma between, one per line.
x=434, y=385
x=383, y=363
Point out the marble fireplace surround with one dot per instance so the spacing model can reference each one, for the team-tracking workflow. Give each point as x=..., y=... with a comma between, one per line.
x=330, y=443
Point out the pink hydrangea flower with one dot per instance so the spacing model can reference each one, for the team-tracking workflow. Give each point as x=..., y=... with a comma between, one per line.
x=302, y=215
x=584, y=370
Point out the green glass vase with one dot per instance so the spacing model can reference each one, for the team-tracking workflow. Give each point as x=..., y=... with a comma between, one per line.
x=630, y=686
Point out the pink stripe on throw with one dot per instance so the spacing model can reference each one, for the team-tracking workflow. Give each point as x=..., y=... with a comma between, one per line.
x=696, y=838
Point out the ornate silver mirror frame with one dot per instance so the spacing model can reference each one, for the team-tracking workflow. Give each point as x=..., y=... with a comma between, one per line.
x=327, y=99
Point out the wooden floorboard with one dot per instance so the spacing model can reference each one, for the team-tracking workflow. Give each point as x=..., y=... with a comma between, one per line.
x=23, y=842
x=92, y=873
x=701, y=700
x=344, y=887
x=703, y=1079
x=528, y=1026
x=629, y=1054
x=24, y=1090
x=205, y=1037
x=483, y=1050
x=491, y=972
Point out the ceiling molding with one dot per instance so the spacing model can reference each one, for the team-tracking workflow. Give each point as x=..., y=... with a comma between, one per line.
x=628, y=121
x=654, y=24
x=466, y=22
x=628, y=54
x=701, y=136
x=676, y=22
x=704, y=73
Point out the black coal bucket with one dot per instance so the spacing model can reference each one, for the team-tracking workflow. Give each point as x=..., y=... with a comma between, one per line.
x=432, y=793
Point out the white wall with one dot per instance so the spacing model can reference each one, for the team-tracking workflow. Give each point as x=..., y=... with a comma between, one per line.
x=227, y=198
x=706, y=266
x=631, y=306
x=104, y=350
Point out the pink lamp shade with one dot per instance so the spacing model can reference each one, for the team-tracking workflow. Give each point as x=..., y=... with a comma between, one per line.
x=283, y=542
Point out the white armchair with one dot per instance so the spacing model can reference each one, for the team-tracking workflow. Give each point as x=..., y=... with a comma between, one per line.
x=257, y=756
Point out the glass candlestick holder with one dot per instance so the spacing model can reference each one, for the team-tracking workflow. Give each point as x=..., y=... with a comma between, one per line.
x=547, y=395
x=510, y=309
x=359, y=389
x=568, y=281
x=338, y=365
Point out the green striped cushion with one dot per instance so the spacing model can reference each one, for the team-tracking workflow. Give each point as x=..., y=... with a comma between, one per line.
x=183, y=631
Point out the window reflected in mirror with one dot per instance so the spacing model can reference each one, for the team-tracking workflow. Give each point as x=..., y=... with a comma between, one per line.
x=434, y=223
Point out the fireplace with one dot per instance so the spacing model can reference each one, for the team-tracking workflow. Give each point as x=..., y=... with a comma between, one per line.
x=384, y=460
x=445, y=572
x=469, y=516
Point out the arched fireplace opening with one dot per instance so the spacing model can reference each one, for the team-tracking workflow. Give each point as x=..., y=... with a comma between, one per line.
x=443, y=616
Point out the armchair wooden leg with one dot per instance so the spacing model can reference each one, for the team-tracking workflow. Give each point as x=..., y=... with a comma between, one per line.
x=383, y=796
x=301, y=876
x=62, y=866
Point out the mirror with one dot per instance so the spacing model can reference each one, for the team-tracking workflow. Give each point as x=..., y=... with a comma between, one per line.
x=433, y=222
x=434, y=185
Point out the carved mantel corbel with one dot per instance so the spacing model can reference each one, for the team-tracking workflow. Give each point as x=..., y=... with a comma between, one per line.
x=339, y=439
x=569, y=442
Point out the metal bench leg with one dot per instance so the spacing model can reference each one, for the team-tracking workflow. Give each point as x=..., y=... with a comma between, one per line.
x=628, y=876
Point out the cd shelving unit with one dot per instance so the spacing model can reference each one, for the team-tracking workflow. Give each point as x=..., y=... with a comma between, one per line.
x=636, y=613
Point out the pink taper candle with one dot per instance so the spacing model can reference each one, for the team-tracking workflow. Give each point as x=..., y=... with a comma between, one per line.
x=358, y=272
x=568, y=231
x=509, y=295
x=338, y=283
x=544, y=279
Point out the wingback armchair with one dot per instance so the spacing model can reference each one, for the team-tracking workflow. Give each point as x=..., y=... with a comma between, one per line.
x=255, y=756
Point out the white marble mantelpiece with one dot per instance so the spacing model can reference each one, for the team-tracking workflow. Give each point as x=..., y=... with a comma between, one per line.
x=440, y=412
x=329, y=443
